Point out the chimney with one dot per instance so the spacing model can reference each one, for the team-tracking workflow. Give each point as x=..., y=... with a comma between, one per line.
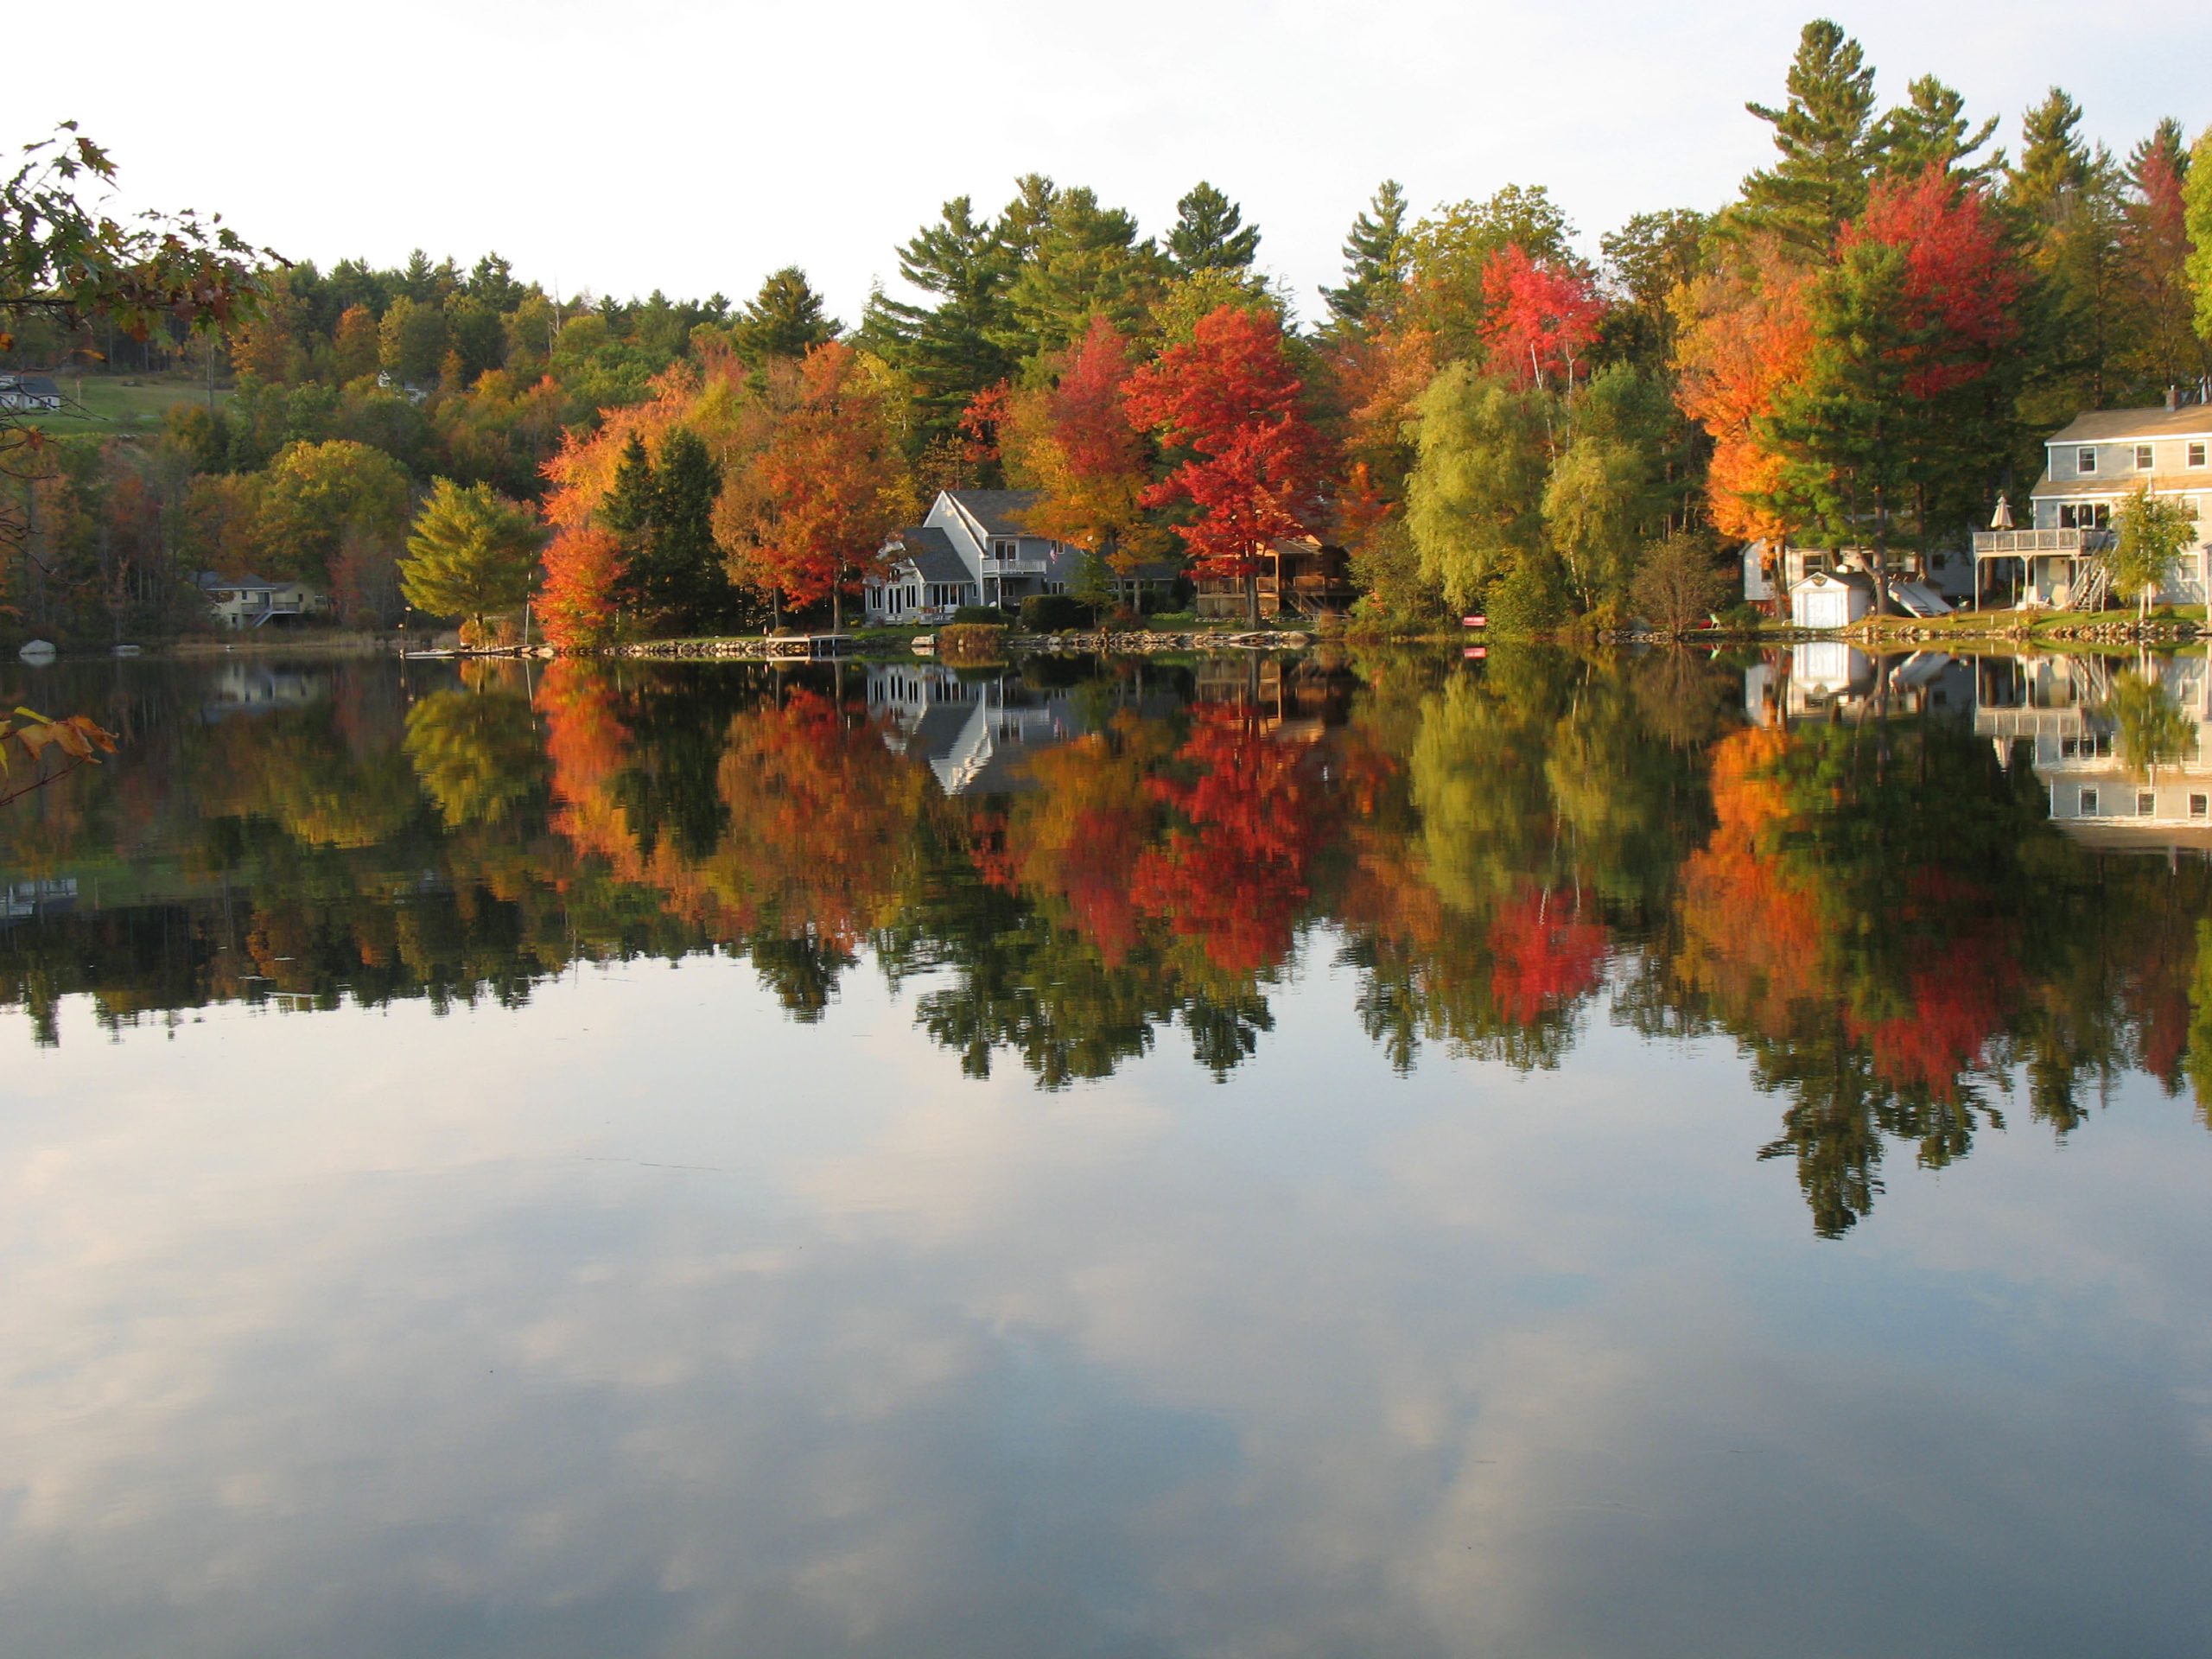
x=2173, y=398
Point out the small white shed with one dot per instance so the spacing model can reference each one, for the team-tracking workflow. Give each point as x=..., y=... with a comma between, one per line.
x=1830, y=599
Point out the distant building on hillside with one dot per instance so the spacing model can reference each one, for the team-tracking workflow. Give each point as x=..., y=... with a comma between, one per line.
x=2090, y=466
x=29, y=394
x=244, y=602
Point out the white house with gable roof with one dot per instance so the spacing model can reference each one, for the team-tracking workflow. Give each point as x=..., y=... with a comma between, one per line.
x=2091, y=466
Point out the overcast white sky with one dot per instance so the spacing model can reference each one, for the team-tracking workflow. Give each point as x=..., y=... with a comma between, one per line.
x=692, y=147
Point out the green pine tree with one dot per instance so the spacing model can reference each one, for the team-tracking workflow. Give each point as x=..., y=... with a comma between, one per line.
x=951, y=348
x=786, y=319
x=1378, y=257
x=471, y=554
x=1931, y=128
x=1209, y=233
x=1828, y=141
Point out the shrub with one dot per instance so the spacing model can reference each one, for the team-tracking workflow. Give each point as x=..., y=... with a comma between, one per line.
x=971, y=642
x=1054, y=614
x=1679, y=583
x=1531, y=601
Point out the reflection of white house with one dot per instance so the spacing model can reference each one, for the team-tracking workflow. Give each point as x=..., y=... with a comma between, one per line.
x=244, y=602
x=29, y=394
x=974, y=732
x=971, y=548
x=2089, y=468
x=249, y=687
x=2059, y=709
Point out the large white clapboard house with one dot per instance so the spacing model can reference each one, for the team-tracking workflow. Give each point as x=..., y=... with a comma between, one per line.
x=2090, y=466
x=971, y=548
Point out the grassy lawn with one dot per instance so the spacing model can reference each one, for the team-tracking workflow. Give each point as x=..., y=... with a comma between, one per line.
x=112, y=403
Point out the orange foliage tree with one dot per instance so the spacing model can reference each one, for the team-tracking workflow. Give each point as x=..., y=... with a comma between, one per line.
x=1746, y=335
x=1542, y=318
x=583, y=572
x=804, y=511
x=1071, y=440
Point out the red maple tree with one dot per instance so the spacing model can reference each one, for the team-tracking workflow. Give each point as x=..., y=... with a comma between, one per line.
x=1962, y=285
x=1542, y=318
x=1231, y=397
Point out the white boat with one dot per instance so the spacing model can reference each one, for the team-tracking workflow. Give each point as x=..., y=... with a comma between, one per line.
x=126, y=651
x=38, y=651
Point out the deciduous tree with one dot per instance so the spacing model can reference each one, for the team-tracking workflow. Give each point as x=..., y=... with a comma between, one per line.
x=1230, y=398
x=470, y=556
x=803, y=513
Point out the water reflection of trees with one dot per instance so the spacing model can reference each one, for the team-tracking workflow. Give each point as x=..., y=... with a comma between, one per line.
x=1879, y=915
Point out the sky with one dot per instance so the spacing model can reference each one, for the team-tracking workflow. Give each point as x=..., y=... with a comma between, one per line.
x=694, y=148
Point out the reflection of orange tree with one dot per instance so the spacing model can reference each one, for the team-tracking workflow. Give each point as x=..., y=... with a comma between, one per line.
x=1751, y=928
x=1072, y=842
x=825, y=820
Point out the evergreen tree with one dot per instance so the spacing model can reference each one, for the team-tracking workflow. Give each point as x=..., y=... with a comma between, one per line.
x=2066, y=199
x=951, y=349
x=1378, y=258
x=1209, y=233
x=1089, y=261
x=1828, y=143
x=679, y=578
x=1931, y=129
x=783, y=319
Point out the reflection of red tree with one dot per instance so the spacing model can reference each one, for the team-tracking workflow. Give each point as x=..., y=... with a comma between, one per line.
x=1545, y=954
x=1954, y=1003
x=1235, y=877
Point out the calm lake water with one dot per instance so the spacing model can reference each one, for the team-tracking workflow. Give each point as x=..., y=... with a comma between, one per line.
x=1645, y=1156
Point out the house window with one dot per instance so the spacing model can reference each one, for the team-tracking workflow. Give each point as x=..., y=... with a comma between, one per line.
x=2088, y=802
x=2082, y=516
x=2196, y=454
x=1005, y=549
x=2146, y=803
x=2142, y=457
x=2200, y=806
x=2085, y=460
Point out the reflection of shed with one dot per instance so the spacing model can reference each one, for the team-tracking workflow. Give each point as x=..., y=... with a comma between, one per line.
x=1831, y=599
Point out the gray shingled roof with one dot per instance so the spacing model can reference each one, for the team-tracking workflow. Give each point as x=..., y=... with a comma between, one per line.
x=2119, y=425
x=932, y=552
x=999, y=511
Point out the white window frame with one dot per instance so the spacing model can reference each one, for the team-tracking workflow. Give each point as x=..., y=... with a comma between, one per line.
x=2146, y=803
x=2200, y=805
x=2145, y=457
x=2086, y=803
x=2195, y=458
x=2085, y=460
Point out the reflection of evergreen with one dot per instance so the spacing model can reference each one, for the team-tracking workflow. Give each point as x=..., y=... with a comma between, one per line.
x=801, y=968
